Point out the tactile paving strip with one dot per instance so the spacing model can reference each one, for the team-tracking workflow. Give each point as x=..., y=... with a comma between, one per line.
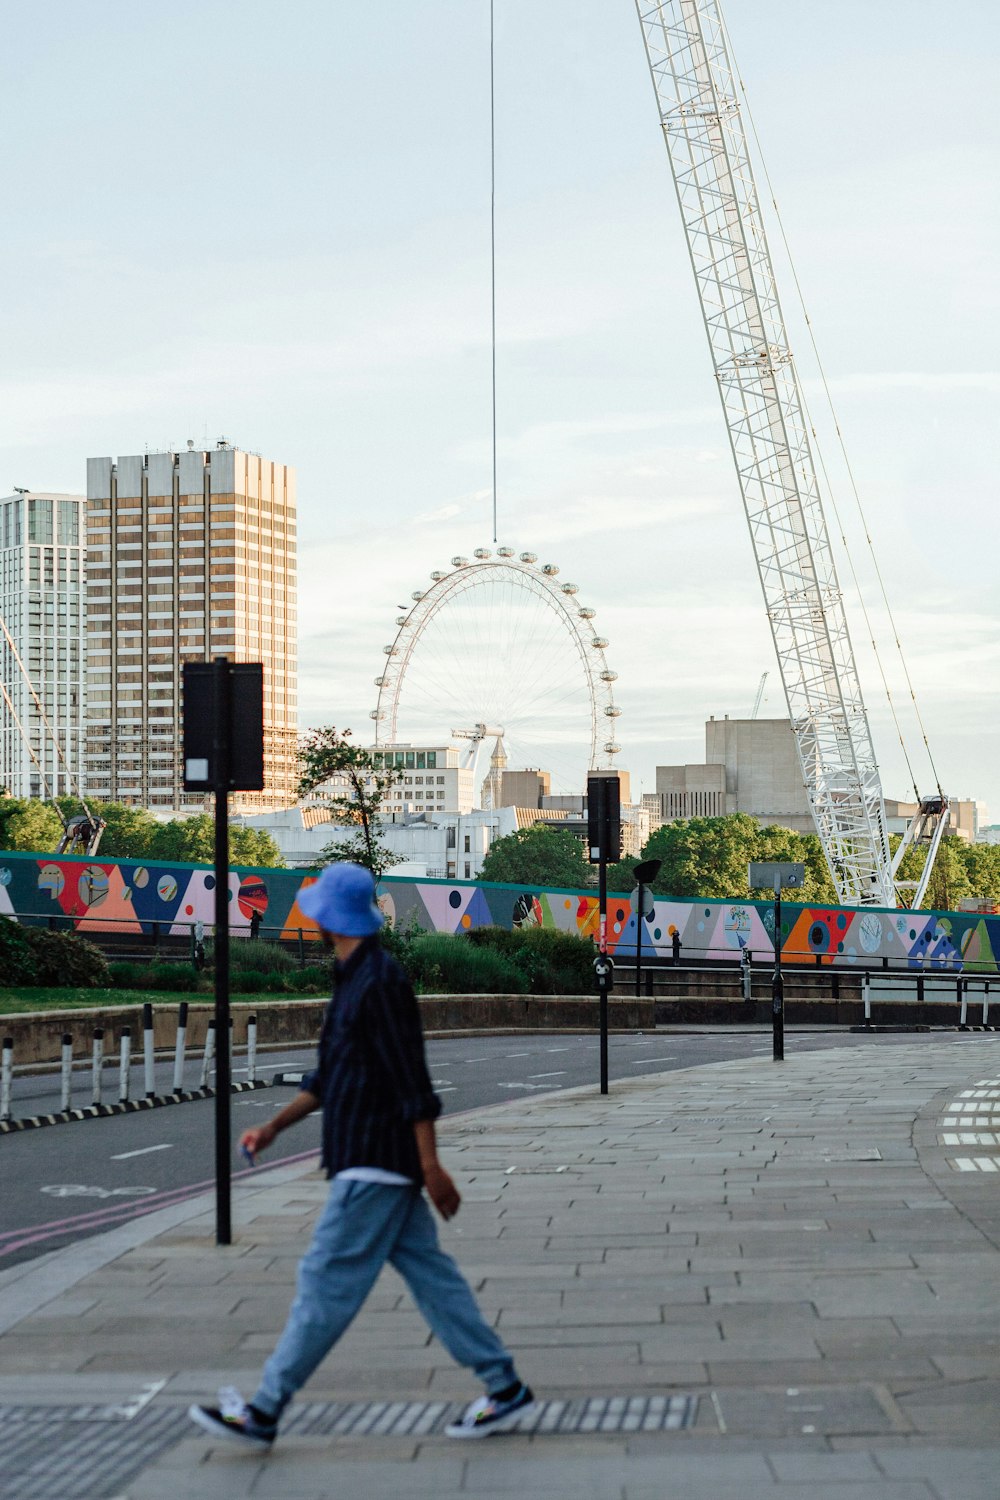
x=65, y=1452
x=973, y=1120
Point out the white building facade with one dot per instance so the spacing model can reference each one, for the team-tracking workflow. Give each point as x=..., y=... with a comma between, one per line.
x=43, y=605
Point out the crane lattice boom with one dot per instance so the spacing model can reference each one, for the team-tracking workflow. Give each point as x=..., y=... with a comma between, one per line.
x=709, y=158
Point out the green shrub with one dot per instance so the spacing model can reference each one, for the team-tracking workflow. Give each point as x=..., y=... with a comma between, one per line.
x=256, y=956
x=126, y=976
x=63, y=959
x=17, y=960
x=455, y=966
x=552, y=962
x=178, y=977
x=315, y=980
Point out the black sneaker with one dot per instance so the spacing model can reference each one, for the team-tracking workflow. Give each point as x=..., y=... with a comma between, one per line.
x=493, y=1414
x=234, y=1420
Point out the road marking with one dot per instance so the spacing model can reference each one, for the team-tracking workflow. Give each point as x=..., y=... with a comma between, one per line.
x=77, y=1190
x=124, y=1155
x=645, y=1061
x=476, y=1059
x=520, y=1085
x=449, y=1090
x=557, y=1049
x=559, y=1073
x=518, y=1054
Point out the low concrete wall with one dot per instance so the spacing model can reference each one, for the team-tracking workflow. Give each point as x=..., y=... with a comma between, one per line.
x=38, y=1036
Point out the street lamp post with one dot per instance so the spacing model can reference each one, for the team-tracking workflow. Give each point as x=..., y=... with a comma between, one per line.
x=770, y=875
x=643, y=874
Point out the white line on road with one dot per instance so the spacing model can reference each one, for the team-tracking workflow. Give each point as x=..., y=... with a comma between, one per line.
x=645, y=1061
x=559, y=1073
x=518, y=1054
x=124, y=1155
x=449, y=1090
x=557, y=1049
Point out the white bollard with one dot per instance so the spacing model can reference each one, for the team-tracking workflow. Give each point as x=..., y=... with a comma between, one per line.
x=125, y=1065
x=6, y=1077
x=251, y=1049
x=67, y=1072
x=182, y=1021
x=97, y=1065
x=206, y=1062
x=963, y=989
x=148, y=1051
x=986, y=1001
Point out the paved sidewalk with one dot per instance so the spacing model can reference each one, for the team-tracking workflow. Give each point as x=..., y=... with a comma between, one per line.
x=741, y=1280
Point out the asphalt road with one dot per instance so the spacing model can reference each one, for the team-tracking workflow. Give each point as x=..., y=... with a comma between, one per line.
x=63, y=1183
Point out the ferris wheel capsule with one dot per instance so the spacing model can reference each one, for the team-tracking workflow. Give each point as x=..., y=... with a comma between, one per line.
x=381, y=681
x=482, y=553
x=586, y=614
x=417, y=595
x=529, y=557
x=376, y=713
x=611, y=748
x=460, y=562
x=569, y=588
x=599, y=642
x=609, y=676
x=549, y=569
x=389, y=650
x=613, y=711
x=437, y=575
x=401, y=619
x=505, y=552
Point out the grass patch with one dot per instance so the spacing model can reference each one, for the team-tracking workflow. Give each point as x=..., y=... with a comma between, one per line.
x=36, y=998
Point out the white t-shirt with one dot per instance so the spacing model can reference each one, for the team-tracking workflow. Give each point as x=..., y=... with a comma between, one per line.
x=373, y=1174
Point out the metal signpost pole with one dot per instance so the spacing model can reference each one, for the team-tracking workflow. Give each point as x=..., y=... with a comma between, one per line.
x=602, y=972
x=777, y=983
x=641, y=893
x=223, y=1112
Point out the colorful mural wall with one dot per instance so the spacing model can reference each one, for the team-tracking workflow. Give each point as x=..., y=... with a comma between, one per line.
x=94, y=896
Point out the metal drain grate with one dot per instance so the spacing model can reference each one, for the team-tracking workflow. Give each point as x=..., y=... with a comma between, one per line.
x=428, y=1418
x=65, y=1452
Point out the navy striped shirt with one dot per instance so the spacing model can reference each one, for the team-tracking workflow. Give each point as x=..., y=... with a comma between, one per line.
x=371, y=1075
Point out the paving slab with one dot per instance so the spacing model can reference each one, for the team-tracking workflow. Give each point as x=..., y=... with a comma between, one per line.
x=788, y=1252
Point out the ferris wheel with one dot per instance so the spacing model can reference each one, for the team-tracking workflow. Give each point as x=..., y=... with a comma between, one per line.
x=499, y=640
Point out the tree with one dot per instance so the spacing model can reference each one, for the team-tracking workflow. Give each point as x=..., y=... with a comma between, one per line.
x=708, y=857
x=949, y=880
x=327, y=755
x=28, y=825
x=541, y=855
x=192, y=840
x=129, y=832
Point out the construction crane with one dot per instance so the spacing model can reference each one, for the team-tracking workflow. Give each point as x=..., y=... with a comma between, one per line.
x=709, y=157
x=760, y=696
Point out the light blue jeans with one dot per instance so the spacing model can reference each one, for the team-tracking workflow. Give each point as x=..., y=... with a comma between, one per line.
x=363, y=1225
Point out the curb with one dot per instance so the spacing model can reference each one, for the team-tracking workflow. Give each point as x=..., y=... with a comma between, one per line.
x=126, y=1107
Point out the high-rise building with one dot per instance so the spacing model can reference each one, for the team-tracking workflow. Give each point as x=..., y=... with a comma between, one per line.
x=189, y=556
x=42, y=605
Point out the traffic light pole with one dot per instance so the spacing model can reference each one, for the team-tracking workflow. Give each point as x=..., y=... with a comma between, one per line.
x=223, y=1103
x=777, y=985
x=604, y=974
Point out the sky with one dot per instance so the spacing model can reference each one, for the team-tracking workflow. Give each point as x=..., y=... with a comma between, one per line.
x=271, y=223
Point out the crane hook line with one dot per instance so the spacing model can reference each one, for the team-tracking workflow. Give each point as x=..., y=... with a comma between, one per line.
x=847, y=462
x=493, y=271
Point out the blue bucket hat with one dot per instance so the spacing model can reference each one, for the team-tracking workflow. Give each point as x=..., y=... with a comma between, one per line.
x=343, y=901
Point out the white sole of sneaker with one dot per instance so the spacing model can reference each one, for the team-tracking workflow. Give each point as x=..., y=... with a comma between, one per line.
x=229, y=1434
x=510, y=1423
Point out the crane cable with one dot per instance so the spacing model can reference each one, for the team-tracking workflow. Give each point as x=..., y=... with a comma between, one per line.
x=493, y=272
x=847, y=463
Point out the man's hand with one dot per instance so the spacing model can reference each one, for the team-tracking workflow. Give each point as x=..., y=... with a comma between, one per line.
x=258, y=1138
x=441, y=1190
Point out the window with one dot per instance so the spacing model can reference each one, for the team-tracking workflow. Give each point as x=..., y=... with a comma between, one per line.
x=69, y=523
x=40, y=521
x=432, y=760
x=410, y=760
x=468, y=869
x=421, y=761
x=468, y=847
x=440, y=781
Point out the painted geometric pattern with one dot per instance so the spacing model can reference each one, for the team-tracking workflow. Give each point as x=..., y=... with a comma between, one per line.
x=94, y=895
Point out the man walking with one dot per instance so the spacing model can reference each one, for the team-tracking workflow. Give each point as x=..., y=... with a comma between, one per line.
x=379, y=1149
